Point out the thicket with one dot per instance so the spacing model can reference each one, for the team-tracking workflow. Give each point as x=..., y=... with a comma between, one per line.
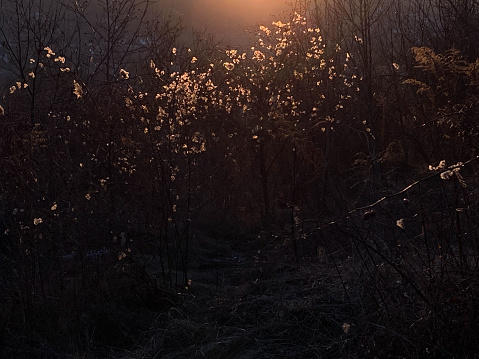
x=349, y=131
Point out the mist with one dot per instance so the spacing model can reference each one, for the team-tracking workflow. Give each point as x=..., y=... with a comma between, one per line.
x=227, y=19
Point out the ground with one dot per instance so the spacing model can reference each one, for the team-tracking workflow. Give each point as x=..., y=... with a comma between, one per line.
x=253, y=299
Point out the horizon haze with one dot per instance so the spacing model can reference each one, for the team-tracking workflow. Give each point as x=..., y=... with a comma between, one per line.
x=227, y=19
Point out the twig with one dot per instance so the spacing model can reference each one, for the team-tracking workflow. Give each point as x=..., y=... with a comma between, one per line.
x=404, y=190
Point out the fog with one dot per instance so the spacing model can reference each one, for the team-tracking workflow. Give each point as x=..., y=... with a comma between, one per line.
x=227, y=19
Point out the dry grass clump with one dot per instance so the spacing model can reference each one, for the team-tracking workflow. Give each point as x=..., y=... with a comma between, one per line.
x=98, y=311
x=262, y=310
x=401, y=284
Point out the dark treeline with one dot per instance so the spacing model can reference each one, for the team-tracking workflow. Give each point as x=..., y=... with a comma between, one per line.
x=120, y=145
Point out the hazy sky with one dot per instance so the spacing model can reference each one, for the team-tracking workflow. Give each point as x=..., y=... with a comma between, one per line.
x=227, y=18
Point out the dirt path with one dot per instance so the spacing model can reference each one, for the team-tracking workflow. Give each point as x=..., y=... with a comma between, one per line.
x=248, y=300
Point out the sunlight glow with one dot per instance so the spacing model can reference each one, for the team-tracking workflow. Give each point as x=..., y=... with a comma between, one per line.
x=228, y=18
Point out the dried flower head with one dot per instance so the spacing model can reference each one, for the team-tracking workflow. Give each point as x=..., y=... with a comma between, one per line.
x=229, y=66
x=124, y=74
x=77, y=89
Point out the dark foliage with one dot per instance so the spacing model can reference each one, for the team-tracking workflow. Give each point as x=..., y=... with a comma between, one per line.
x=313, y=195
